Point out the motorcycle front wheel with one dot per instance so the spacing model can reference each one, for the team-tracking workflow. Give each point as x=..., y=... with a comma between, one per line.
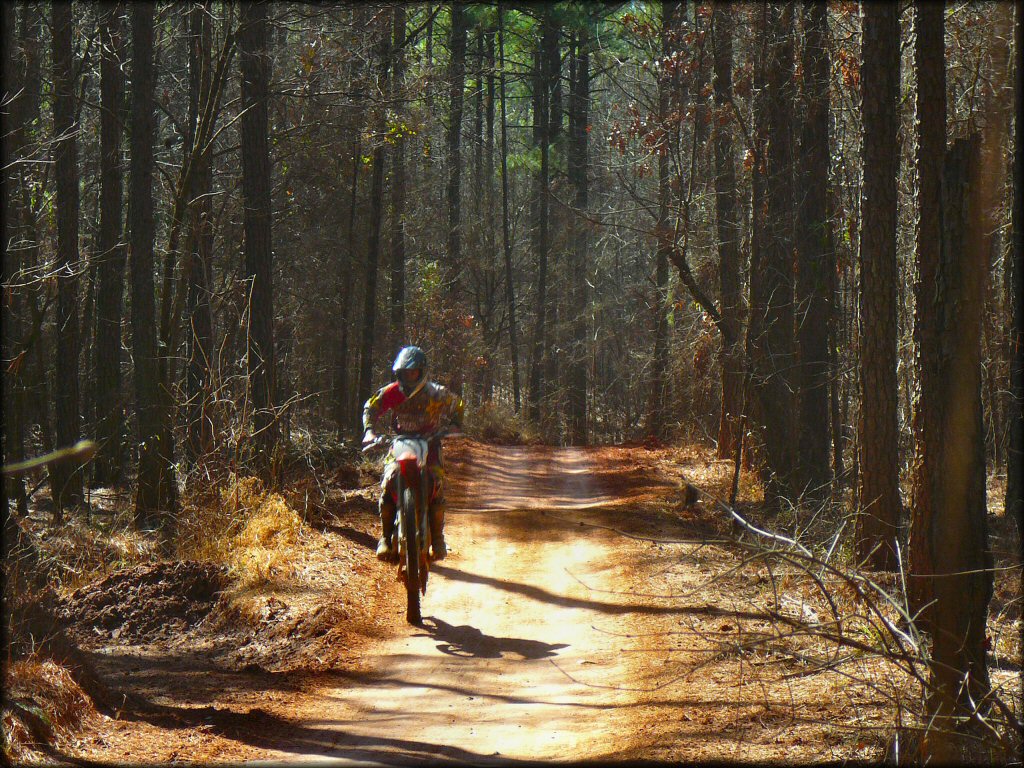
x=412, y=556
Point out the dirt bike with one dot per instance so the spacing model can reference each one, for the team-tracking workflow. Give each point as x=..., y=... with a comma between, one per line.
x=409, y=486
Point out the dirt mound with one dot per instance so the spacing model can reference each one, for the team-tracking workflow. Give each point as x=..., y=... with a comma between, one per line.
x=146, y=602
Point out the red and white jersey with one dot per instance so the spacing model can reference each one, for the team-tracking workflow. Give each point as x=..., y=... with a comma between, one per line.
x=421, y=413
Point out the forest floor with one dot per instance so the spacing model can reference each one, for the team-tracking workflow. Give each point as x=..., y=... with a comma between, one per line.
x=589, y=610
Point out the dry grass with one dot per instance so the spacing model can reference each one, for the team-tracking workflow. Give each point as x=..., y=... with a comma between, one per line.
x=45, y=698
x=251, y=530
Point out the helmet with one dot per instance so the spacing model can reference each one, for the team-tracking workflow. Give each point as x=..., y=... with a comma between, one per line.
x=410, y=369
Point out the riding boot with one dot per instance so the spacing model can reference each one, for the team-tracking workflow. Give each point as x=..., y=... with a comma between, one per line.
x=386, y=507
x=439, y=548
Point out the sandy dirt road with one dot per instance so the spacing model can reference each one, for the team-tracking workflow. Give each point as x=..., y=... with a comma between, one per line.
x=518, y=657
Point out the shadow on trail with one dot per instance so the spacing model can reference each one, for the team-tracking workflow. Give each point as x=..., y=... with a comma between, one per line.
x=467, y=641
x=467, y=690
x=542, y=595
x=363, y=539
x=263, y=730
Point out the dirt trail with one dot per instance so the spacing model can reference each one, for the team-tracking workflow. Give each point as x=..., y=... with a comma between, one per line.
x=586, y=611
x=509, y=663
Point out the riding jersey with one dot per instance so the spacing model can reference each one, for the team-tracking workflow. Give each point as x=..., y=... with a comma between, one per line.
x=420, y=414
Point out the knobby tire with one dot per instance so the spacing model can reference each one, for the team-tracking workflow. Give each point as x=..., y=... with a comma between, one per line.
x=412, y=556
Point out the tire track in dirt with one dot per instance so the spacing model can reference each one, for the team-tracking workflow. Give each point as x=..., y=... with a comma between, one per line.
x=509, y=665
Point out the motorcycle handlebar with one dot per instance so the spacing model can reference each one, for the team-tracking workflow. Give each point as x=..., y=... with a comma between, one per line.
x=446, y=431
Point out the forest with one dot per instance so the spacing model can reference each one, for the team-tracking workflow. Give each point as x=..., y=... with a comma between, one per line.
x=786, y=235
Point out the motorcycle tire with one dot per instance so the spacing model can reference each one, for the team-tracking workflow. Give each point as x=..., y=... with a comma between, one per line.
x=412, y=556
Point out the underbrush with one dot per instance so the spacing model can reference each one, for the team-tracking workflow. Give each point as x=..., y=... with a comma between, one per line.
x=853, y=630
x=242, y=525
x=495, y=422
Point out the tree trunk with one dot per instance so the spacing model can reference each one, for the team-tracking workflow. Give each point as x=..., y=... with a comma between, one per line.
x=657, y=387
x=373, y=249
x=398, y=181
x=930, y=61
x=957, y=536
x=546, y=72
x=506, y=236
x=880, y=507
x=155, y=498
x=727, y=215
x=1015, y=454
x=199, y=339
x=490, y=226
x=579, y=111
x=8, y=266
x=107, y=464
x=345, y=416
x=11, y=209
x=456, y=83
x=253, y=39
x=65, y=479
x=33, y=192
x=816, y=262
x=771, y=334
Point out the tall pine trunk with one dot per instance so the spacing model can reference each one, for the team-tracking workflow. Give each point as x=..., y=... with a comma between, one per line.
x=199, y=339
x=490, y=227
x=373, y=249
x=1014, y=503
x=11, y=326
x=816, y=262
x=510, y=301
x=547, y=58
x=456, y=85
x=658, y=386
x=579, y=310
x=880, y=507
x=107, y=465
x=155, y=498
x=771, y=332
x=930, y=62
x=957, y=536
x=65, y=479
x=398, y=180
x=253, y=44
x=727, y=218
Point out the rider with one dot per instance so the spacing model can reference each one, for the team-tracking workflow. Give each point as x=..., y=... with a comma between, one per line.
x=418, y=404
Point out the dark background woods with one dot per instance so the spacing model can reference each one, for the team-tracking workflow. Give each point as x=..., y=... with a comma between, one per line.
x=788, y=230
